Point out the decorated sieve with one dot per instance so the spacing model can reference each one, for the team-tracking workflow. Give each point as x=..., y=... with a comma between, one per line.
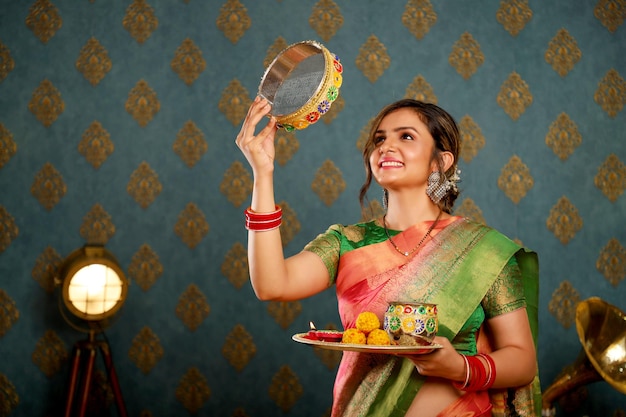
x=301, y=83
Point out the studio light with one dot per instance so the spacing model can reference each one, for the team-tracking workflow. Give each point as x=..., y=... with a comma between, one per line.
x=93, y=288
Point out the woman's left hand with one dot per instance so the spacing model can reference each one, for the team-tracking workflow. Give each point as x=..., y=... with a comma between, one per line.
x=443, y=362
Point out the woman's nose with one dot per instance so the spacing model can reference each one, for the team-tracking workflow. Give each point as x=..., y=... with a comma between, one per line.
x=385, y=147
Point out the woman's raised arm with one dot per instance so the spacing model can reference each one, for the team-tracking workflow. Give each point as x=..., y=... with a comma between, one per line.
x=272, y=276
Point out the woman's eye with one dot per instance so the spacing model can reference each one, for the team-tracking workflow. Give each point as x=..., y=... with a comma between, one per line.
x=378, y=140
x=407, y=136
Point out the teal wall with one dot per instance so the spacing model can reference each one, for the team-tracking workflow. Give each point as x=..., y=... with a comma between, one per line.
x=569, y=271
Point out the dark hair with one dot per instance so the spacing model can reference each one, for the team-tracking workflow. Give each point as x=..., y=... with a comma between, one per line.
x=442, y=128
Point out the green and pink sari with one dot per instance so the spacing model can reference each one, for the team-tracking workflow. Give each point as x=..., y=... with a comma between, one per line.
x=470, y=270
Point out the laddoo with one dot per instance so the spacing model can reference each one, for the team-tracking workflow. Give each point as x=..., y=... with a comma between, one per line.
x=367, y=321
x=378, y=337
x=354, y=336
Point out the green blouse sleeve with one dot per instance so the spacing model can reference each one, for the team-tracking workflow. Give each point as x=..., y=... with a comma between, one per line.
x=327, y=246
x=507, y=292
x=505, y=295
x=339, y=239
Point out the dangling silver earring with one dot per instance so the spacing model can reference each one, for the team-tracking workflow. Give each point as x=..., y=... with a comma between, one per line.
x=385, y=198
x=435, y=189
x=438, y=188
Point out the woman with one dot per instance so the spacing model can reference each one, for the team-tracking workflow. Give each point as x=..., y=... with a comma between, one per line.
x=484, y=284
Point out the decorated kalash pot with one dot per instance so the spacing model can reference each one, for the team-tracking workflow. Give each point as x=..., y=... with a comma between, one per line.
x=411, y=323
x=301, y=83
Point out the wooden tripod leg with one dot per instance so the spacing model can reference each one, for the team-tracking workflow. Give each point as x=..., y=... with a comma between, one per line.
x=73, y=379
x=115, y=385
x=87, y=380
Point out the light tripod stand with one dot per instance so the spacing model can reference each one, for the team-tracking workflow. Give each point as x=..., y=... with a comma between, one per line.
x=93, y=288
x=83, y=364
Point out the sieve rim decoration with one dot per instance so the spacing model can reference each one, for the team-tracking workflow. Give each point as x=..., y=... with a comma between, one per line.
x=326, y=91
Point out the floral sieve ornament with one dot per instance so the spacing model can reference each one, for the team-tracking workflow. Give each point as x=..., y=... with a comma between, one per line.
x=301, y=83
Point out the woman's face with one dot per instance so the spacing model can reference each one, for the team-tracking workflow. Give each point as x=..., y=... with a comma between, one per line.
x=402, y=157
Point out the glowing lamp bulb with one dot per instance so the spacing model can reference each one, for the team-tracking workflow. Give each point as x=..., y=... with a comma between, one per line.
x=95, y=289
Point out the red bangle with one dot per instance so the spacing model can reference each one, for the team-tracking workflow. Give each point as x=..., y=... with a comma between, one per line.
x=478, y=376
x=491, y=373
x=260, y=222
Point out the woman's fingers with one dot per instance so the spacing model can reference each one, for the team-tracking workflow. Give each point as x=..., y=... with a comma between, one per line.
x=260, y=108
x=268, y=130
x=258, y=148
x=430, y=362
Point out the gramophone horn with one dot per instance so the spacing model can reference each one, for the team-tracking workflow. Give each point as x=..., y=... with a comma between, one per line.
x=601, y=330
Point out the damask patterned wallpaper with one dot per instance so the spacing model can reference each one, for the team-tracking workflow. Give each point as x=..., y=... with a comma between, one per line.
x=117, y=127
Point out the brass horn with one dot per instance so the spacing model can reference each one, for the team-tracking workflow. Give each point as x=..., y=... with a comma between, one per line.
x=601, y=330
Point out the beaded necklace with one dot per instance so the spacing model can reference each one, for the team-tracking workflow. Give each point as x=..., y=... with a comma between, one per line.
x=401, y=252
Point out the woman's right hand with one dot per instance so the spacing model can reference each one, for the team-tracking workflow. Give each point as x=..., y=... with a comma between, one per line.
x=445, y=362
x=258, y=149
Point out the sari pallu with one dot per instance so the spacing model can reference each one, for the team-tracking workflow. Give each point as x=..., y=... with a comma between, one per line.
x=454, y=269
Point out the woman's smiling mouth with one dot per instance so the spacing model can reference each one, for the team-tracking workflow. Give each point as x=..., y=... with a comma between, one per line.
x=390, y=164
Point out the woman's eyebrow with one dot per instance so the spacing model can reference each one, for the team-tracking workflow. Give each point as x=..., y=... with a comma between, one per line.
x=399, y=128
x=405, y=128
